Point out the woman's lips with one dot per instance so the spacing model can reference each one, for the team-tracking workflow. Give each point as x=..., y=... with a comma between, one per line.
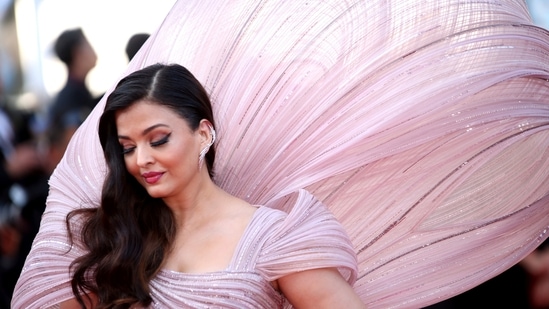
x=152, y=177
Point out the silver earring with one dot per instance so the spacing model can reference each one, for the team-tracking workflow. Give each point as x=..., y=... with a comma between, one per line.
x=205, y=150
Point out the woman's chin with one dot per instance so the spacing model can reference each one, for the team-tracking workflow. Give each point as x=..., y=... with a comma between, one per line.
x=155, y=193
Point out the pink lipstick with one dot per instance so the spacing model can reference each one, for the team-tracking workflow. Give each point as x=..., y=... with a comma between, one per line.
x=151, y=177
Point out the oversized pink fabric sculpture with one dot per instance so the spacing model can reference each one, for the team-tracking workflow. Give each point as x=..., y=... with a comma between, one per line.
x=423, y=125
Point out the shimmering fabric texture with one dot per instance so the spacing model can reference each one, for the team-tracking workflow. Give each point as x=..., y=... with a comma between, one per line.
x=423, y=126
x=273, y=245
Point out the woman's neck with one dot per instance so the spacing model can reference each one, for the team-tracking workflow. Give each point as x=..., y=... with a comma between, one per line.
x=200, y=204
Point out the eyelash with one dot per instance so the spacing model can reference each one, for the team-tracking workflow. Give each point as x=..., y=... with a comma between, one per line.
x=160, y=142
x=126, y=151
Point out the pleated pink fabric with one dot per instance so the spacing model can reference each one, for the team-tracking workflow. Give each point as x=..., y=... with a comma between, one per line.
x=272, y=246
x=422, y=125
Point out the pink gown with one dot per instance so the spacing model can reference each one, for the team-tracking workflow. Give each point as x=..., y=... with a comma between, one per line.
x=273, y=245
x=423, y=126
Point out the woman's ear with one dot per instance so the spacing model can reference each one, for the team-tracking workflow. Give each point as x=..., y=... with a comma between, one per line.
x=207, y=133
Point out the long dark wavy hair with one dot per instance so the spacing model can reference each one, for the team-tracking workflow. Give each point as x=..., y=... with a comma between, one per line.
x=130, y=234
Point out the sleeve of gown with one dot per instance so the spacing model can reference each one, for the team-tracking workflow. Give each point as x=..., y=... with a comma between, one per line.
x=308, y=238
x=45, y=279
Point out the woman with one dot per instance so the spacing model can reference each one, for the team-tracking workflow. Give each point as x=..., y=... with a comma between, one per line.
x=166, y=236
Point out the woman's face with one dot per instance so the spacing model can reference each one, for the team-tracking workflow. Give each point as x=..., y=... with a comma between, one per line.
x=160, y=149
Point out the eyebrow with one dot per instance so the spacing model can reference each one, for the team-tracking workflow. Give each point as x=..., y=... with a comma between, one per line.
x=147, y=130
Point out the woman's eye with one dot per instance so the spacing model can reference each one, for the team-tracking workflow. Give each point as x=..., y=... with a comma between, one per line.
x=127, y=150
x=162, y=141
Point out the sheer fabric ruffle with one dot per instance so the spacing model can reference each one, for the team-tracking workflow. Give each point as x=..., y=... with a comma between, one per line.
x=273, y=245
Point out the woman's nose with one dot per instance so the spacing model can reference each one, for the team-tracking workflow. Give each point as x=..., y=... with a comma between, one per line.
x=144, y=156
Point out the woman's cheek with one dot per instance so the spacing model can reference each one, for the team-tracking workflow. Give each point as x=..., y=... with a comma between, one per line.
x=131, y=167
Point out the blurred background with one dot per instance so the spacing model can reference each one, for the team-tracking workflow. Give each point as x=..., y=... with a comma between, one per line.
x=28, y=66
x=89, y=59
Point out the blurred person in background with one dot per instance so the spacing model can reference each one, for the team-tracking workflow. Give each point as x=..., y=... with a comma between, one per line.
x=134, y=44
x=74, y=101
x=537, y=266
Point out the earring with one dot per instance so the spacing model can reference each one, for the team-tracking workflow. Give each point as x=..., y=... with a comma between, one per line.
x=205, y=150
